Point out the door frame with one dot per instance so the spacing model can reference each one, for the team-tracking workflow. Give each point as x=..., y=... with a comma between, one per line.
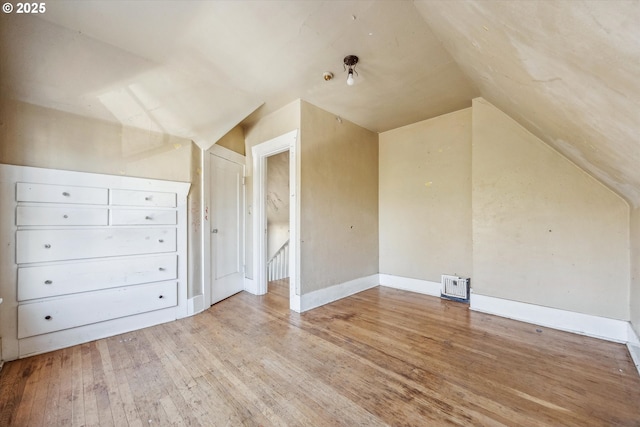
x=232, y=156
x=287, y=142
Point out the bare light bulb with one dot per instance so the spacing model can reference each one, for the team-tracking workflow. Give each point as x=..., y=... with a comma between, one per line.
x=350, y=80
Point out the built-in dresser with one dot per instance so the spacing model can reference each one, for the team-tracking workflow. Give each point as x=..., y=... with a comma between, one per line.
x=85, y=256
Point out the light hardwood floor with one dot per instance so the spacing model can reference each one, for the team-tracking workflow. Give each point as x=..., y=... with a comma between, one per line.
x=381, y=357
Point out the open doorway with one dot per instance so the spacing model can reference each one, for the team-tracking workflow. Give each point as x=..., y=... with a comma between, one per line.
x=261, y=152
x=277, y=210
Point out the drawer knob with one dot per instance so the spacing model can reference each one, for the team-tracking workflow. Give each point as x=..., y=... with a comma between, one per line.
x=65, y=194
x=148, y=218
x=161, y=296
x=161, y=240
x=147, y=198
x=65, y=216
x=48, y=282
x=47, y=246
x=162, y=269
x=47, y=317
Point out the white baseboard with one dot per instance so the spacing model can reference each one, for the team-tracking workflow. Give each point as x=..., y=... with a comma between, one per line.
x=195, y=305
x=250, y=286
x=324, y=296
x=633, y=345
x=632, y=336
x=414, y=285
x=578, y=323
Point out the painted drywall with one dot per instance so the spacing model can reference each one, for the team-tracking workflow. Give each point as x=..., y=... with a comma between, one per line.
x=277, y=202
x=425, y=198
x=194, y=216
x=339, y=200
x=544, y=231
x=271, y=126
x=73, y=69
x=31, y=135
x=634, y=294
x=565, y=70
x=233, y=140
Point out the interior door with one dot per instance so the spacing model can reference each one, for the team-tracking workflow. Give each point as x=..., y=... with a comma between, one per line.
x=227, y=228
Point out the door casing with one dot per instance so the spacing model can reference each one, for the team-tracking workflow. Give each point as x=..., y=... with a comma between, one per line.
x=287, y=142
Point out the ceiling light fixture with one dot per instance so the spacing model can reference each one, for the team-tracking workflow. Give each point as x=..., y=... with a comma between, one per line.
x=350, y=62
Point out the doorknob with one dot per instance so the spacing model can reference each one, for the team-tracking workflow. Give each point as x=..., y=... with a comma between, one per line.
x=214, y=231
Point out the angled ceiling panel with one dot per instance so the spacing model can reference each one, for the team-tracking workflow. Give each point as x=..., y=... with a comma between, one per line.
x=565, y=70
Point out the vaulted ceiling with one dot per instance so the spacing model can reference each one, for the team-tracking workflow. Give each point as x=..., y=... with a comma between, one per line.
x=568, y=71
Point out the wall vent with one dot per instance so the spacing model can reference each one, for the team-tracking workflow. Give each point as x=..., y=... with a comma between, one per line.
x=455, y=288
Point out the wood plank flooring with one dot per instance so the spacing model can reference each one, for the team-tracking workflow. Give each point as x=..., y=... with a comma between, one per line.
x=381, y=357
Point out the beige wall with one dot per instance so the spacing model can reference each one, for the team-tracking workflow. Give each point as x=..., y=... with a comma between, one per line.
x=339, y=200
x=47, y=138
x=425, y=198
x=278, y=206
x=194, y=214
x=233, y=140
x=271, y=126
x=634, y=294
x=544, y=232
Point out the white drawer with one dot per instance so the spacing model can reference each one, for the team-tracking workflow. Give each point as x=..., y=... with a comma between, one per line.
x=146, y=217
x=143, y=198
x=58, y=245
x=53, y=280
x=47, y=193
x=41, y=215
x=46, y=316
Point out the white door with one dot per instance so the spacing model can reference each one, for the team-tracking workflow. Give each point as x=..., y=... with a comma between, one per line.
x=227, y=228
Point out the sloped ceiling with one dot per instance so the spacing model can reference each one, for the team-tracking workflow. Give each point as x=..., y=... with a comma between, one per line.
x=566, y=70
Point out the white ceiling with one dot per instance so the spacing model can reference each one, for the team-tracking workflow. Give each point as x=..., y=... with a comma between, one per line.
x=566, y=70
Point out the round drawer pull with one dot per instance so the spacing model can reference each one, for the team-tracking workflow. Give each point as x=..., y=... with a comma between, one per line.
x=65, y=194
x=47, y=246
x=48, y=282
x=47, y=317
x=147, y=198
x=162, y=269
x=161, y=296
x=65, y=216
x=148, y=218
x=161, y=240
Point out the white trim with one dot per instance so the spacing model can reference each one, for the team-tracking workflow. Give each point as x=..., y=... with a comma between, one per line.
x=250, y=286
x=632, y=337
x=232, y=156
x=333, y=293
x=633, y=345
x=227, y=154
x=260, y=152
x=408, y=284
x=578, y=323
x=196, y=304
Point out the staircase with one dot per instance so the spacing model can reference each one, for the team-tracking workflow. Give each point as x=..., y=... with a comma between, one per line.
x=278, y=265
